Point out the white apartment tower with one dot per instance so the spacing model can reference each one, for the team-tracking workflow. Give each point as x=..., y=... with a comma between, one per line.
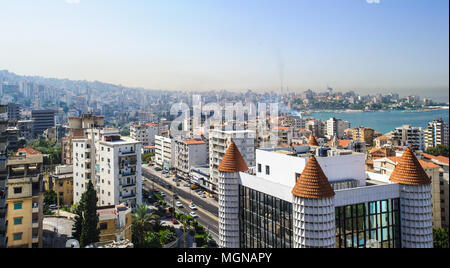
x=220, y=140
x=112, y=163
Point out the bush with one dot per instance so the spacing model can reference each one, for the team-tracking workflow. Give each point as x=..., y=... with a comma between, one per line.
x=166, y=236
x=441, y=238
x=200, y=240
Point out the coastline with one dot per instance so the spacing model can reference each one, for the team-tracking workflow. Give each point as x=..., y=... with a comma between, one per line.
x=379, y=111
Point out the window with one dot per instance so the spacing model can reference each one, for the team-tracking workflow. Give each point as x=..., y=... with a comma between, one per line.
x=17, y=206
x=259, y=168
x=17, y=236
x=18, y=221
x=267, y=170
x=17, y=190
x=103, y=226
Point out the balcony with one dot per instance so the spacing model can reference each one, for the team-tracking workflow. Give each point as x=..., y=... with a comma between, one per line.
x=35, y=238
x=35, y=208
x=127, y=152
x=127, y=196
x=35, y=223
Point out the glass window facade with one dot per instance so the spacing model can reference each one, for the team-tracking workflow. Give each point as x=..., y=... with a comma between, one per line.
x=358, y=225
x=265, y=221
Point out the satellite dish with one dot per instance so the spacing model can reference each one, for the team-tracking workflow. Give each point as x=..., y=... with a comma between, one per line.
x=72, y=243
x=372, y=244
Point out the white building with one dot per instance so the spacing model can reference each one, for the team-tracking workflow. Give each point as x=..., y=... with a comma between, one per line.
x=301, y=200
x=190, y=153
x=336, y=127
x=409, y=136
x=145, y=133
x=436, y=134
x=112, y=163
x=220, y=140
x=164, y=152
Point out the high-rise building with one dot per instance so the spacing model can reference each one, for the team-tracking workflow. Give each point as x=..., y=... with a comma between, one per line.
x=364, y=134
x=190, y=153
x=336, y=127
x=164, y=152
x=145, y=133
x=77, y=129
x=303, y=200
x=3, y=175
x=407, y=135
x=14, y=112
x=112, y=163
x=25, y=199
x=219, y=141
x=43, y=119
x=436, y=134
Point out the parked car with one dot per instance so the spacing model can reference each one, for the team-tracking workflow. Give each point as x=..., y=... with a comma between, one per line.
x=158, y=168
x=175, y=196
x=193, y=207
x=179, y=204
x=187, y=185
x=193, y=214
x=163, y=194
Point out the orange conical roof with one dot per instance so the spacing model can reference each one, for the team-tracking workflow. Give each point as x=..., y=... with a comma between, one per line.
x=313, y=141
x=233, y=160
x=409, y=171
x=312, y=182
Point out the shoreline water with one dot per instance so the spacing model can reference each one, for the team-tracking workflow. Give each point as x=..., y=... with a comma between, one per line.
x=385, y=121
x=380, y=111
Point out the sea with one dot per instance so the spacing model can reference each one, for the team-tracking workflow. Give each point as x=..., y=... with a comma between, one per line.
x=385, y=121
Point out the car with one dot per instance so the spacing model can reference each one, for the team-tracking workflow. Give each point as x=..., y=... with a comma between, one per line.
x=151, y=164
x=162, y=194
x=53, y=207
x=178, y=204
x=158, y=168
x=203, y=195
x=174, y=221
x=193, y=214
x=193, y=207
x=175, y=196
x=187, y=185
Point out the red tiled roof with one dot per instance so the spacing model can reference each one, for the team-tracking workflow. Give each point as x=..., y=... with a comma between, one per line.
x=342, y=143
x=313, y=183
x=233, y=160
x=193, y=142
x=441, y=159
x=409, y=171
x=28, y=151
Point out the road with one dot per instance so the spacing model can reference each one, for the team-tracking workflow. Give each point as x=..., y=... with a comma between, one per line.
x=207, y=213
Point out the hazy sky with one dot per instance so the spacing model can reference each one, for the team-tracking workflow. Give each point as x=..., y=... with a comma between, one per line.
x=398, y=45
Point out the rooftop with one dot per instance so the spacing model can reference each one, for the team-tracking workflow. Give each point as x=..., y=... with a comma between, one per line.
x=233, y=160
x=409, y=171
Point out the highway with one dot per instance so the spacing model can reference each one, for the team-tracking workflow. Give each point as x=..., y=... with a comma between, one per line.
x=207, y=212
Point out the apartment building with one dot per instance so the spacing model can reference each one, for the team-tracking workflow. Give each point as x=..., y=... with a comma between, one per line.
x=3, y=175
x=190, y=153
x=25, y=199
x=145, y=133
x=43, y=119
x=282, y=135
x=14, y=113
x=364, y=134
x=316, y=127
x=112, y=163
x=164, y=152
x=336, y=127
x=407, y=135
x=114, y=223
x=25, y=129
x=444, y=193
x=62, y=183
x=219, y=141
x=77, y=128
x=436, y=134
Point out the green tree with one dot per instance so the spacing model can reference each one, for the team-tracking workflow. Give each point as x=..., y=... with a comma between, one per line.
x=441, y=238
x=441, y=150
x=151, y=240
x=86, y=229
x=141, y=219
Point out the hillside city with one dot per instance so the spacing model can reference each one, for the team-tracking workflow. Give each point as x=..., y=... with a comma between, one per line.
x=170, y=169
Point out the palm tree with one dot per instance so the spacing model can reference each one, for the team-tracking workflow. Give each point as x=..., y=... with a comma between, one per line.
x=143, y=221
